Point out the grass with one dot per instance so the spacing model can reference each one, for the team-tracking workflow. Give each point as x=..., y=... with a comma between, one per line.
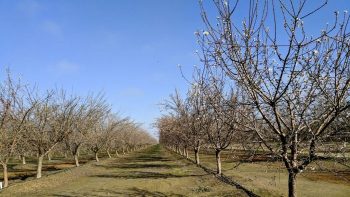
x=18, y=172
x=150, y=172
x=270, y=178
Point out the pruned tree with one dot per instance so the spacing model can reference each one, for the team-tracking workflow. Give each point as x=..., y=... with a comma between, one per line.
x=101, y=134
x=223, y=110
x=87, y=115
x=190, y=120
x=297, y=83
x=50, y=123
x=117, y=124
x=14, y=111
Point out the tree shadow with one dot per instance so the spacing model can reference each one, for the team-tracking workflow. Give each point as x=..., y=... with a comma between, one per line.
x=133, y=192
x=145, y=175
x=126, y=166
x=142, y=192
x=139, y=165
x=147, y=158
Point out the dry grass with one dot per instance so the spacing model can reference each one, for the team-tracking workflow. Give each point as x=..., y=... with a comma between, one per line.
x=152, y=172
x=18, y=172
x=323, y=178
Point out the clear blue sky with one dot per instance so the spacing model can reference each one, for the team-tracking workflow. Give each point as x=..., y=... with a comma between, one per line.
x=127, y=49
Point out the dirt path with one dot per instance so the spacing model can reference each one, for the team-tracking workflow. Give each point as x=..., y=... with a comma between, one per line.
x=151, y=172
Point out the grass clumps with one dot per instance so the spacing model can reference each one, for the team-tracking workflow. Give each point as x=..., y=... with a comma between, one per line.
x=202, y=189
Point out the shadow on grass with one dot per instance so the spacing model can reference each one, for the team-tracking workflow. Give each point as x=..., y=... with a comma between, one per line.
x=140, y=166
x=147, y=158
x=145, y=175
x=133, y=192
x=141, y=192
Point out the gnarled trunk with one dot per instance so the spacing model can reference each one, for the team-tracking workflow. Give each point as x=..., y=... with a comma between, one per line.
x=196, y=155
x=5, y=175
x=40, y=166
x=23, y=160
x=76, y=159
x=96, y=157
x=292, y=184
x=116, y=153
x=218, y=161
x=75, y=153
x=109, y=154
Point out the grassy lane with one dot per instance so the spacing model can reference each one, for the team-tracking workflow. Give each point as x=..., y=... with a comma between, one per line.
x=151, y=172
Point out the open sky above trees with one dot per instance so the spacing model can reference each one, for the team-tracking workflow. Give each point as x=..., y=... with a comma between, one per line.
x=127, y=49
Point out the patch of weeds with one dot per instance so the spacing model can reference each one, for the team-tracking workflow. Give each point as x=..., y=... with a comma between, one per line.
x=201, y=189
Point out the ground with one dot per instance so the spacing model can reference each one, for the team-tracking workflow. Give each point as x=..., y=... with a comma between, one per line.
x=150, y=172
x=270, y=178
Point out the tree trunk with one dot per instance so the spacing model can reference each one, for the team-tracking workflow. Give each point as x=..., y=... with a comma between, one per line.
x=49, y=156
x=116, y=153
x=24, y=160
x=5, y=175
x=40, y=166
x=292, y=184
x=196, y=155
x=76, y=159
x=187, y=154
x=218, y=162
x=96, y=157
x=75, y=153
x=109, y=154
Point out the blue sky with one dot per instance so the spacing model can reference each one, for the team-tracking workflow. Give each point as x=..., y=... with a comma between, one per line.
x=127, y=49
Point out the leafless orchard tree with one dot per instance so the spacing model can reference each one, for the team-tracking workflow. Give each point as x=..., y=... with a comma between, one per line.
x=224, y=113
x=100, y=134
x=35, y=123
x=335, y=144
x=50, y=123
x=137, y=137
x=13, y=113
x=169, y=132
x=88, y=114
x=297, y=83
x=190, y=121
x=114, y=131
x=119, y=124
x=118, y=142
x=128, y=138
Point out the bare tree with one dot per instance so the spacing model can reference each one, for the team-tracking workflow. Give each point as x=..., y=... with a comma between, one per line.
x=101, y=134
x=13, y=113
x=88, y=114
x=51, y=122
x=117, y=124
x=189, y=114
x=224, y=113
x=299, y=84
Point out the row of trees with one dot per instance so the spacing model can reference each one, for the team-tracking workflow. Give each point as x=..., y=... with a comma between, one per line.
x=35, y=123
x=266, y=82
